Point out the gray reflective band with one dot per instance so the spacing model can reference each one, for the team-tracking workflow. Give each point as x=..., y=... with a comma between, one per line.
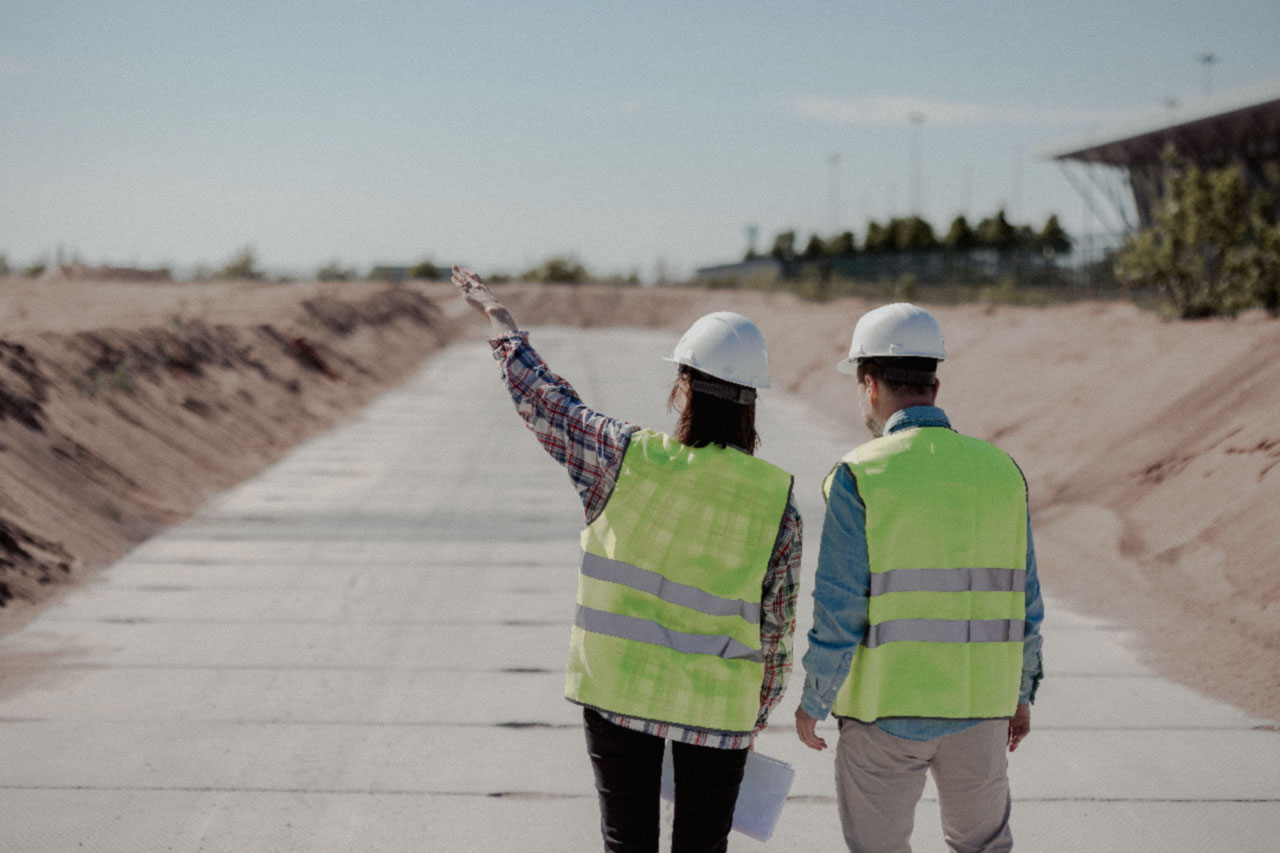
x=646, y=631
x=739, y=394
x=948, y=580
x=616, y=571
x=945, y=631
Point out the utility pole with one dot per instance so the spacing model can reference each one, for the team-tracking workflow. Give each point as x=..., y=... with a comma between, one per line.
x=1015, y=189
x=833, y=160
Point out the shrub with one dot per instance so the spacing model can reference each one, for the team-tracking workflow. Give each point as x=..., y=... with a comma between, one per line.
x=1213, y=248
x=558, y=269
x=335, y=271
x=425, y=269
x=243, y=265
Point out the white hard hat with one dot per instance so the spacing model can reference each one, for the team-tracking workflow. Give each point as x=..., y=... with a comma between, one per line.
x=727, y=346
x=900, y=330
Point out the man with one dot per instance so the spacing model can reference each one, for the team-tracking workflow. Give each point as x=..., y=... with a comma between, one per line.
x=927, y=609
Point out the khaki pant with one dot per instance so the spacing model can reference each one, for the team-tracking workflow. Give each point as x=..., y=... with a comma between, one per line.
x=879, y=780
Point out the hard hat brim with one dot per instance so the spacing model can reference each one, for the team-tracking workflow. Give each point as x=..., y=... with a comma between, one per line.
x=762, y=387
x=849, y=366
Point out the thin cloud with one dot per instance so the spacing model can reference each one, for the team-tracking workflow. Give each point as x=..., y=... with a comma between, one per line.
x=896, y=110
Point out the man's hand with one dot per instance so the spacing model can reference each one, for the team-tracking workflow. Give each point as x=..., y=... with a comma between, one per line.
x=1019, y=726
x=479, y=297
x=806, y=729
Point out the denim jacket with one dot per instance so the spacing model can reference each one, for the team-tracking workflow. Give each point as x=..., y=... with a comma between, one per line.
x=840, y=601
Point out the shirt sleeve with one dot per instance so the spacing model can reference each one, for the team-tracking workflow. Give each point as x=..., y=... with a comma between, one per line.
x=1032, y=665
x=588, y=444
x=781, y=587
x=842, y=586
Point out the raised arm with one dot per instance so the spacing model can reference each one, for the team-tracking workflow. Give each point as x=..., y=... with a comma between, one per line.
x=589, y=444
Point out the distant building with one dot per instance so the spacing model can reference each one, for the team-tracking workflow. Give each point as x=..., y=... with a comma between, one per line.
x=1127, y=169
x=736, y=272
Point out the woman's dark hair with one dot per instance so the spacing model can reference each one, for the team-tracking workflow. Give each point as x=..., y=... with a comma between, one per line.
x=708, y=419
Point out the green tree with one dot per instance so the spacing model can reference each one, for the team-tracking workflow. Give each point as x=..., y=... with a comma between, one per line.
x=425, y=269
x=560, y=270
x=1213, y=248
x=842, y=244
x=784, y=246
x=1260, y=261
x=1053, y=239
x=879, y=238
x=243, y=265
x=912, y=234
x=995, y=232
x=814, y=249
x=335, y=271
x=960, y=237
x=1025, y=239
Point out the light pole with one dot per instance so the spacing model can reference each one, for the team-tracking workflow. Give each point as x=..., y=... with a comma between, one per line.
x=833, y=160
x=1208, y=60
x=916, y=119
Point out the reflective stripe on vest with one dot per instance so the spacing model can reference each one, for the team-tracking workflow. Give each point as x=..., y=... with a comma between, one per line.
x=668, y=620
x=602, y=568
x=946, y=543
x=948, y=580
x=648, y=631
x=944, y=631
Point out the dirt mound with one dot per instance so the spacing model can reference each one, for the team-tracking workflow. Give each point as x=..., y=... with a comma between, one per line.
x=108, y=435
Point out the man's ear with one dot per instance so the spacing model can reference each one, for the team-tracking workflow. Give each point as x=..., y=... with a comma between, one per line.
x=937, y=384
x=873, y=389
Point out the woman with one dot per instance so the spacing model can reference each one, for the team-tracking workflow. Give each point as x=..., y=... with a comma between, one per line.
x=687, y=591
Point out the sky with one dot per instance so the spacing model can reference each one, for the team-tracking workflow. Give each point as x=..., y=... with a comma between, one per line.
x=639, y=137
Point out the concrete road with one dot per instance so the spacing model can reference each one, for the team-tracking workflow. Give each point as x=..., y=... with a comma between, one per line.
x=361, y=649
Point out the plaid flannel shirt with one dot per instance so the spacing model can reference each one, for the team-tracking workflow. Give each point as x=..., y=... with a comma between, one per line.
x=591, y=446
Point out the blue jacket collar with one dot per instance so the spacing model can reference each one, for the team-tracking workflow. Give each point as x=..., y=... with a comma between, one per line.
x=916, y=416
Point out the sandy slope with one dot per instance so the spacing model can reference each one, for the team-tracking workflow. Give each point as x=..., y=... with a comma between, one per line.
x=1152, y=448
x=123, y=407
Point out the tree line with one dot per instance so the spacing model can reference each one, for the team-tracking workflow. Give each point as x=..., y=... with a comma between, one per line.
x=912, y=234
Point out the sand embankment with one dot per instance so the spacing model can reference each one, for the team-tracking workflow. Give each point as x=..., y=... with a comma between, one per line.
x=123, y=407
x=1152, y=448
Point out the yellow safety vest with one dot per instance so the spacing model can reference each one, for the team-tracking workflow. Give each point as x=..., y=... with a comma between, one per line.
x=947, y=546
x=668, y=618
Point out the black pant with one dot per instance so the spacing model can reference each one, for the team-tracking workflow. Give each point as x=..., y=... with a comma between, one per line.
x=628, y=768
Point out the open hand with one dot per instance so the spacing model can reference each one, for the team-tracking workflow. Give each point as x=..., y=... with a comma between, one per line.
x=473, y=289
x=806, y=728
x=1019, y=726
x=479, y=297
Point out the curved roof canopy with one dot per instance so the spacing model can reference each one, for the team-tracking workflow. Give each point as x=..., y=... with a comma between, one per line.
x=1241, y=129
